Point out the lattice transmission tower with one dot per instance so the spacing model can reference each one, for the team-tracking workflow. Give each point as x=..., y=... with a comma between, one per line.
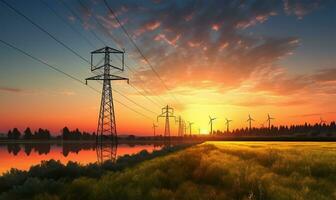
x=180, y=126
x=167, y=112
x=106, y=121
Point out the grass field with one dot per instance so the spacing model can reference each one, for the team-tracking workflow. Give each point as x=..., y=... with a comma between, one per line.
x=219, y=170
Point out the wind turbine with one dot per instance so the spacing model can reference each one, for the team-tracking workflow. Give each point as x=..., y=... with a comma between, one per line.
x=269, y=118
x=322, y=121
x=190, y=123
x=250, y=121
x=210, y=123
x=154, y=127
x=227, y=124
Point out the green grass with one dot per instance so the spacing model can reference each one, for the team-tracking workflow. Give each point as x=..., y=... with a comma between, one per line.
x=219, y=170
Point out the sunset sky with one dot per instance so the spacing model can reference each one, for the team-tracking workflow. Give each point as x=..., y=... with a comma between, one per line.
x=227, y=59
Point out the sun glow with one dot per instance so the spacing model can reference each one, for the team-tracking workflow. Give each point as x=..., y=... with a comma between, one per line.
x=204, y=132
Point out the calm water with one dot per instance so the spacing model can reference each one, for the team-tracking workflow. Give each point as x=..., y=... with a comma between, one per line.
x=22, y=156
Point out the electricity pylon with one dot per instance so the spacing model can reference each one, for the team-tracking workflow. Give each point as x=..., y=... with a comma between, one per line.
x=180, y=126
x=106, y=120
x=167, y=112
x=154, y=127
x=227, y=124
x=269, y=118
x=250, y=121
x=190, y=124
x=184, y=128
x=210, y=123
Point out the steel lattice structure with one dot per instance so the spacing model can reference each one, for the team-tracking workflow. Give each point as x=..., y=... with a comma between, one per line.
x=167, y=112
x=106, y=121
x=106, y=151
x=180, y=127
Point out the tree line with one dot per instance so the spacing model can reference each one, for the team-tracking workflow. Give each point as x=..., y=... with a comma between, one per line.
x=318, y=129
x=306, y=129
x=27, y=134
x=44, y=134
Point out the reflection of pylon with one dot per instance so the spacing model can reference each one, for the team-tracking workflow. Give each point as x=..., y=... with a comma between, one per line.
x=106, y=122
x=106, y=151
x=167, y=112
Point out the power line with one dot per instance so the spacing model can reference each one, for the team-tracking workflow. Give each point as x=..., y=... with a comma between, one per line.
x=101, y=40
x=62, y=43
x=111, y=36
x=66, y=74
x=138, y=49
x=80, y=19
x=67, y=23
x=43, y=30
x=84, y=6
x=143, y=88
x=98, y=23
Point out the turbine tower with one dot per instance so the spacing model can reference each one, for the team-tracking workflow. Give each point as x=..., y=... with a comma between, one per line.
x=106, y=120
x=190, y=124
x=210, y=123
x=154, y=127
x=249, y=120
x=269, y=118
x=167, y=112
x=227, y=124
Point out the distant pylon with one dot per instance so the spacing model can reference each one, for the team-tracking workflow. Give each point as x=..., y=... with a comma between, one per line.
x=106, y=121
x=269, y=118
x=154, y=127
x=167, y=112
x=190, y=130
x=180, y=127
x=184, y=128
x=227, y=124
x=250, y=121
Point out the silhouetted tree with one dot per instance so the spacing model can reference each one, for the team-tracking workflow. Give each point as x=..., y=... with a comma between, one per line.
x=42, y=134
x=316, y=130
x=27, y=134
x=14, y=135
x=9, y=135
x=65, y=133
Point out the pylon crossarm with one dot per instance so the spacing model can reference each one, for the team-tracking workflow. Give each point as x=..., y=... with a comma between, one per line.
x=110, y=77
x=159, y=117
x=107, y=50
x=173, y=117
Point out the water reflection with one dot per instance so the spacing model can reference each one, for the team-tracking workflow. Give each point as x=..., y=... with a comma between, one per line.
x=45, y=148
x=24, y=155
x=106, y=151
